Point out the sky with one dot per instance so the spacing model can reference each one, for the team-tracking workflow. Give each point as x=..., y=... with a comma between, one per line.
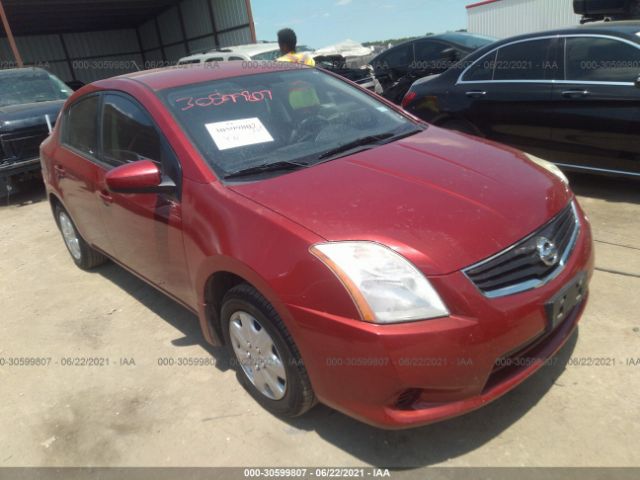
x=319, y=23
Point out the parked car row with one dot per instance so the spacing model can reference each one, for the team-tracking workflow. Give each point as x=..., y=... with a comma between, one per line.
x=567, y=95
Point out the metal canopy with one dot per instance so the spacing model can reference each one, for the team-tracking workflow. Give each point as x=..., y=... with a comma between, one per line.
x=36, y=17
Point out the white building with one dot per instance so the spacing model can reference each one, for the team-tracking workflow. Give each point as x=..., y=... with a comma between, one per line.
x=505, y=18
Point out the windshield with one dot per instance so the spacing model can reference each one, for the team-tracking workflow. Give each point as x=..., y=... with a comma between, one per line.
x=287, y=116
x=468, y=40
x=31, y=87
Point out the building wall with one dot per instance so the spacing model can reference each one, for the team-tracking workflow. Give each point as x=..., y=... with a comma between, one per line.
x=505, y=18
x=190, y=27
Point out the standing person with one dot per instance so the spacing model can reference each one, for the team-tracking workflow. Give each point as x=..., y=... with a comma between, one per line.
x=288, y=41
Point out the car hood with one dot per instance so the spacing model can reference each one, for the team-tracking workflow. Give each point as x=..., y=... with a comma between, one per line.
x=15, y=117
x=443, y=199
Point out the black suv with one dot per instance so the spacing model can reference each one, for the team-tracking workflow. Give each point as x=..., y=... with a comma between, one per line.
x=398, y=67
x=30, y=99
x=567, y=95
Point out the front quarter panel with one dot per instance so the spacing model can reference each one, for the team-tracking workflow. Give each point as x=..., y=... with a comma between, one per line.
x=226, y=232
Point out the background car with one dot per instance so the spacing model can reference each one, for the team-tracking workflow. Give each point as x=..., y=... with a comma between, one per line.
x=398, y=67
x=293, y=212
x=252, y=51
x=568, y=96
x=30, y=99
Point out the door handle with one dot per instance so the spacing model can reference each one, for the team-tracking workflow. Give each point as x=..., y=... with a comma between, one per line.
x=60, y=173
x=575, y=93
x=475, y=93
x=106, y=198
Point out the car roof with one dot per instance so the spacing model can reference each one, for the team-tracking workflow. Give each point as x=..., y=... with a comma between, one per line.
x=249, y=49
x=624, y=28
x=171, y=77
x=21, y=71
x=439, y=36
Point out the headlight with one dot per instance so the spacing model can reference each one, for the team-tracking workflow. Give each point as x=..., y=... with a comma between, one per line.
x=385, y=286
x=549, y=167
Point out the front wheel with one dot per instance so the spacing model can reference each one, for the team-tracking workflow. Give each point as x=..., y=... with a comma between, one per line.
x=82, y=254
x=268, y=364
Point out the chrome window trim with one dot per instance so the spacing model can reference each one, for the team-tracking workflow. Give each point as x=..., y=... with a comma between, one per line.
x=570, y=166
x=564, y=37
x=530, y=284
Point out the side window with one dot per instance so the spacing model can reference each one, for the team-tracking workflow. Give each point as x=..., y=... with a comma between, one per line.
x=601, y=60
x=426, y=51
x=396, y=57
x=81, y=126
x=235, y=58
x=524, y=61
x=482, y=70
x=128, y=133
x=214, y=59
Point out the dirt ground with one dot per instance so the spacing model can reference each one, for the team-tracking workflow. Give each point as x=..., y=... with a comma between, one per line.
x=136, y=412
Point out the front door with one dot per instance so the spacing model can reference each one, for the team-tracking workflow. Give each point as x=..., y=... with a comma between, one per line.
x=144, y=229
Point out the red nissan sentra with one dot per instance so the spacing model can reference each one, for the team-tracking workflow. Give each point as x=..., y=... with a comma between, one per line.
x=344, y=251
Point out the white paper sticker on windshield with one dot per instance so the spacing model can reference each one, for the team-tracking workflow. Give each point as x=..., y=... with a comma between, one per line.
x=238, y=133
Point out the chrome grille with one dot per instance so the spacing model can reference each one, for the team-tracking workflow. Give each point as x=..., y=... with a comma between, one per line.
x=531, y=262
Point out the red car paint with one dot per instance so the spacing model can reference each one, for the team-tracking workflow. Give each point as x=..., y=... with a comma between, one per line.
x=469, y=201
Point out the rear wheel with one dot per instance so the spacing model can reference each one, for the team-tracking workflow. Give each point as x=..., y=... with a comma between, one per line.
x=268, y=364
x=82, y=254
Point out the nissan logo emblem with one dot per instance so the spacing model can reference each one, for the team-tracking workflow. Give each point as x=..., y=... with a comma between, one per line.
x=547, y=251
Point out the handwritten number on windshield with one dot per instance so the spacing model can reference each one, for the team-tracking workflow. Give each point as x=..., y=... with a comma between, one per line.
x=216, y=99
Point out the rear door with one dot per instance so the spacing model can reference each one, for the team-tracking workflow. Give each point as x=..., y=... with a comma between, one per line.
x=77, y=170
x=144, y=229
x=507, y=94
x=595, y=125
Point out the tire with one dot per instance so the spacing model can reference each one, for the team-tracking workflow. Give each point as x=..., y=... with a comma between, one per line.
x=81, y=253
x=460, y=125
x=247, y=316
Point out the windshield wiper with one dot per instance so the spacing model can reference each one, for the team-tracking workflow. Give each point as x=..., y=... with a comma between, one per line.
x=265, y=167
x=369, y=140
x=360, y=142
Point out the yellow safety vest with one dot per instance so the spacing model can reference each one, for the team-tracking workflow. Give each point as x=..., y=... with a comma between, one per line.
x=302, y=58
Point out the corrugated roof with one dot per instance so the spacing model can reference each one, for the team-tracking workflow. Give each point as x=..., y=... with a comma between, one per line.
x=32, y=17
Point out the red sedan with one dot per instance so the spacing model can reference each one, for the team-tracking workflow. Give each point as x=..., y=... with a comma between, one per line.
x=344, y=251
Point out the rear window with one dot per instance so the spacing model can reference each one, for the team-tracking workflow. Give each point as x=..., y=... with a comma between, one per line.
x=593, y=59
x=292, y=115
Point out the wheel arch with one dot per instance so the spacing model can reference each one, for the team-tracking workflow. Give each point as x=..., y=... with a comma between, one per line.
x=228, y=273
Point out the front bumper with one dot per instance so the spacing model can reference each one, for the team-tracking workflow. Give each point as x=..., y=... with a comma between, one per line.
x=411, y=374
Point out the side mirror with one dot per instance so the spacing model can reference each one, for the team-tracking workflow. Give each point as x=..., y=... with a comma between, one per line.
x=638, y=82
x=142, y=176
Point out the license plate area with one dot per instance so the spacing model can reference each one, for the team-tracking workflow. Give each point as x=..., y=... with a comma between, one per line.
x=563, y=302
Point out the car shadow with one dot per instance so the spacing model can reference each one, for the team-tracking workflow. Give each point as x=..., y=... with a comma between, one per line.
x=29, y=193
x=611, y=189
x=170, y=311
x=399, y=449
